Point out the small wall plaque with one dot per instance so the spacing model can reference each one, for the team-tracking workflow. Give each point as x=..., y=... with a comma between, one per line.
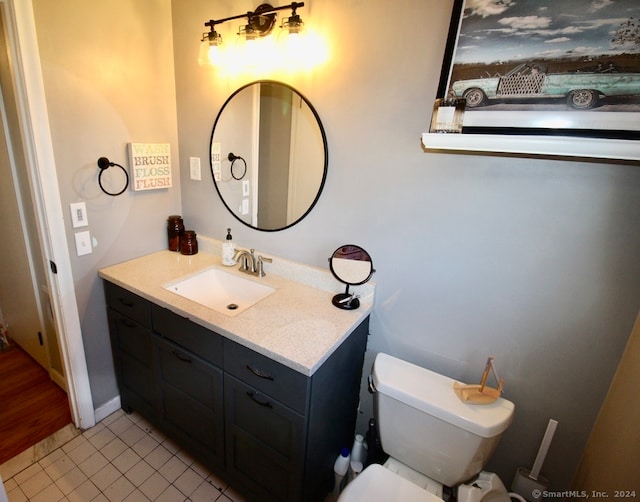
x=150, y=165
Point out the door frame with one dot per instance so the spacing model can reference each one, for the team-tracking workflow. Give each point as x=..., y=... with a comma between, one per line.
x=38, y=145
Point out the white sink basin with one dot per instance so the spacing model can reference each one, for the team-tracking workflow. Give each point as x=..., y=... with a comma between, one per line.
x=220, y=291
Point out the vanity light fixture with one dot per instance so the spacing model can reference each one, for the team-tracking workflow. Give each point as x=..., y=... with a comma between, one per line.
x=259, y=24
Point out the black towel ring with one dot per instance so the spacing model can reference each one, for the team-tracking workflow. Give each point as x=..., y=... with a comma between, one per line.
x=232, y=158
x=104, y=164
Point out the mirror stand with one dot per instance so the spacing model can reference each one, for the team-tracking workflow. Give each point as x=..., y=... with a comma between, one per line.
x=346, y=300
x=352, y=266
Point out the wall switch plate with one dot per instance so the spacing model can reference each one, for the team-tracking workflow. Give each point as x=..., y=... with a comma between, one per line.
x=194, y=168
x=79, y=214
x=245, y=206
x=245, y=188
x=83, y=243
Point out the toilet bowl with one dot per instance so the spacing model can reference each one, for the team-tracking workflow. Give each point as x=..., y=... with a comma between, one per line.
x=377, y=482
x=431, y=436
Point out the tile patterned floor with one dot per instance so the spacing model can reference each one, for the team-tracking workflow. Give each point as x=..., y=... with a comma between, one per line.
x=123, y=458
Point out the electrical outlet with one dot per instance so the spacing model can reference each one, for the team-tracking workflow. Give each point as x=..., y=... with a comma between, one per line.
x=79, y=214
x=245, y=206
x=194, y=168
x=83, y=243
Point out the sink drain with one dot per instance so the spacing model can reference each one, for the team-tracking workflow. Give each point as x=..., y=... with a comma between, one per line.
x=232, y=306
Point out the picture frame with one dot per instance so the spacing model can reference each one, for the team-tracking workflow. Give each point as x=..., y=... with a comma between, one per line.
x=539, y=70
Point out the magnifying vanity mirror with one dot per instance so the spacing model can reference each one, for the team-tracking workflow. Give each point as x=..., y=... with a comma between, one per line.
x=268, y=155
x=353, y=266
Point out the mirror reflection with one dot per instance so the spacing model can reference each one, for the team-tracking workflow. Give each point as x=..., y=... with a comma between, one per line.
x=268, y=155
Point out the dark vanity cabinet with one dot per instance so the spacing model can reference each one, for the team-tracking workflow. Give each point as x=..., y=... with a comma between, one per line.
x=189, y=380
x=129, y=319
x=271, y=431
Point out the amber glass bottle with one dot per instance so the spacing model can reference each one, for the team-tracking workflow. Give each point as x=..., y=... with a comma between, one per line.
x=189, y=243
x=175, y=229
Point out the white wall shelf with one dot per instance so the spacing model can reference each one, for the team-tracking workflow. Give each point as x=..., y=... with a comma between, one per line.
x=564, y=146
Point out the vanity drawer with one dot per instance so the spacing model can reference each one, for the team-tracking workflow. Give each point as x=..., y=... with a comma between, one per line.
x=128, y=303
x=201, y=341
x=269, y=376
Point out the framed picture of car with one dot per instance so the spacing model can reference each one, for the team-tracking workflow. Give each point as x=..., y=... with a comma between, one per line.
x=545, y=67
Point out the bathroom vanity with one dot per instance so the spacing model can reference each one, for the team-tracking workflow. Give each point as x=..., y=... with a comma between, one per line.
x=265, y=398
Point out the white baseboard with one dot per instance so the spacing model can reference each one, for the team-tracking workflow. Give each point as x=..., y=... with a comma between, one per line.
x=107, y=409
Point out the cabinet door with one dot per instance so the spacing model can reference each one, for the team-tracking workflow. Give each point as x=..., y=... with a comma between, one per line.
x=128, y=303
x=191, y=400
x=133, y=361
x=264, y=442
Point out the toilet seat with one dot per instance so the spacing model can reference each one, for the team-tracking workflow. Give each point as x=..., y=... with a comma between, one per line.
x=376, y=483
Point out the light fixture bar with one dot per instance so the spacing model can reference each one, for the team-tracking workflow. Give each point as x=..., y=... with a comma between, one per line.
x=254, y=16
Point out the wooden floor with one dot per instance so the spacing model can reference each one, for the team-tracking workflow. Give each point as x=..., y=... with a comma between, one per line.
x=32, y=407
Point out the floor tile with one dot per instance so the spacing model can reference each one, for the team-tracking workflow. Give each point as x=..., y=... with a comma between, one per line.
x=206, y=492
x=139, y=473
x=113, y=449
x=126, y=460
x=36, y=483
x=85, y=491
x=154, y=486
x=158, y=457
x=171, y=494
x=60, y=466
x=121, y=459
x=132, y=435
x=50, y=494
x=102, y=438
x=105, y=476
x=93, y=464
x=71, y=480
x=172, y=469
x=188, y=482
x=145, y=445
x=119, y=490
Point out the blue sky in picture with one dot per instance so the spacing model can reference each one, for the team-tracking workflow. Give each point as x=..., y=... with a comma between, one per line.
x=507, y=30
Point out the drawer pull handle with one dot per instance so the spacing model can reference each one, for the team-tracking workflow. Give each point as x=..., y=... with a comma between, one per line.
x=126, y=303
x=128, y=323
x=258, y=373
x=252, y=395
x=182, y=357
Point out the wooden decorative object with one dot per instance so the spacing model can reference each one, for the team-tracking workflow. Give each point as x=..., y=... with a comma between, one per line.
x=480, y=394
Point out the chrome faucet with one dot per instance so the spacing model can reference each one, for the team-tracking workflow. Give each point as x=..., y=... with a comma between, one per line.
x=250, y=263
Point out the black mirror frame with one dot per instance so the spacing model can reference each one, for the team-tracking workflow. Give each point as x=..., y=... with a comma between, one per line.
x=325, y=148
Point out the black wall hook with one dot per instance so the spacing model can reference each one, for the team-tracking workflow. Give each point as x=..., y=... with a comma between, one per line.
x=104, y=164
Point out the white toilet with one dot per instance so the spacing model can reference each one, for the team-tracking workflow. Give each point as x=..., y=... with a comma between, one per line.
x=431, y=436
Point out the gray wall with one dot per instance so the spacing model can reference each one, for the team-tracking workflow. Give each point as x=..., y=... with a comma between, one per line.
x=108, y=74
x=531, y=260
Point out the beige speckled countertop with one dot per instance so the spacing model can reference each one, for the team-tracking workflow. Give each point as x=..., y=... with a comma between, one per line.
x=296, y=325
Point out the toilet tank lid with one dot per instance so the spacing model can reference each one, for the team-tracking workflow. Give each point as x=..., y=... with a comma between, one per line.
x=433, y=393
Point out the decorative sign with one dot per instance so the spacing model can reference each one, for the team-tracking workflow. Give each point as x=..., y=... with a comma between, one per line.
x=150, y=165
x=216, y=161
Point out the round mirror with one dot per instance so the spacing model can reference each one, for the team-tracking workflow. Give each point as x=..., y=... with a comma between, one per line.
x=353, y=266
x=268, y=155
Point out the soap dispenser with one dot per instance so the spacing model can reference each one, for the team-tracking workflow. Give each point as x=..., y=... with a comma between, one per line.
x=228, y=250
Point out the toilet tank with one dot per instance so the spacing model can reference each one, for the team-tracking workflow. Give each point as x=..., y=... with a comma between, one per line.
x=423, y=424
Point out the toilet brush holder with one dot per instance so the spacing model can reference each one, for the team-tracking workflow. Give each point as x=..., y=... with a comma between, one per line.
x=529, y=488
x=529, y=484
